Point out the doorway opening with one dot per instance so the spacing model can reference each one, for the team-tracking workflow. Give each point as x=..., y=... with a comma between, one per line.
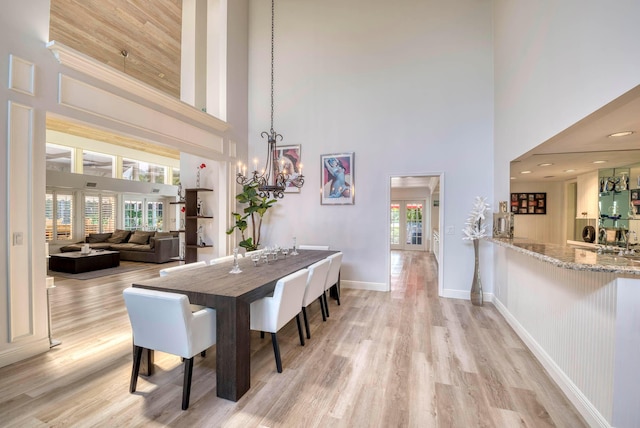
x=414, y=221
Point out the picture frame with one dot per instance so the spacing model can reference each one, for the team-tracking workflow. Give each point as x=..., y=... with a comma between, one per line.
x=337, y=179
x=529, y=203
x=290, y=158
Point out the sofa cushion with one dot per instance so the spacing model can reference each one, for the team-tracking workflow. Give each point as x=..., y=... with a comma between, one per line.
x=94, y=238
x=140, y=237
x=141, y=248
x=122, y=246
x=158, y=235
x=119, y=236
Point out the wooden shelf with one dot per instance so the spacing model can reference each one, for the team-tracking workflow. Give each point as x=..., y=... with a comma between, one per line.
x=191, y=224
x=177, y=203
x=177, y=231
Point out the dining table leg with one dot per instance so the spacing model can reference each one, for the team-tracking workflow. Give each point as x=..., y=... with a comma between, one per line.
x=233, y=351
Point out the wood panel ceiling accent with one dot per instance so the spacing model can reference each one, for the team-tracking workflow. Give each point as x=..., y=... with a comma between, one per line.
x=80, y=130
x=150, y=31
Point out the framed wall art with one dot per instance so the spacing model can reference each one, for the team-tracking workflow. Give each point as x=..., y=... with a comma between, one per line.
x=289, y=159
x=529, y=203
x=337, y=179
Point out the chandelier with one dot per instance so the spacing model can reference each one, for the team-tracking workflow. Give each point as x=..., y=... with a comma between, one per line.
x=274, y=178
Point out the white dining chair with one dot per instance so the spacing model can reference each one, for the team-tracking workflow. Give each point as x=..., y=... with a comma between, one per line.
x=315, y=290
x=271, y=313
x=220, y=259
x=181, y=268
x=163, y=322
x=313, y=247
x=333, y=278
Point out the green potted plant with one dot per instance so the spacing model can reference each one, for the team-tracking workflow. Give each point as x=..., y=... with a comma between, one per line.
x=256, y=209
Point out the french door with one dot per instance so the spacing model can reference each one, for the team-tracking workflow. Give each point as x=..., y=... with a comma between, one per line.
x=407, y=225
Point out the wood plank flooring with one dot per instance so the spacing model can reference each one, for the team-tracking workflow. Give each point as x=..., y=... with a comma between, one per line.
x=401, y=359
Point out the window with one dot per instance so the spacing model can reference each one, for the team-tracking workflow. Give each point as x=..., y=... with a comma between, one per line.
x=175, y=176
x=143, y=171
x=395, y=224
x=154, y=215
x=97, y=164
x=59, y=216
x=99, y=214
x=59, y=158
x=133, y=214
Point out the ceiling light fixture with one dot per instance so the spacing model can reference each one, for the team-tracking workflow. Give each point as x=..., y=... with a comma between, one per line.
x=545, y=164
x=620, y=134
x=272, y=180
x=569, y=170
x=525, y=172
x=600, y=161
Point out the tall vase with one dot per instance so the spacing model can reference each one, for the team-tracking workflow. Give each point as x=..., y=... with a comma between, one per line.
x=476, y=285
x=198, y=179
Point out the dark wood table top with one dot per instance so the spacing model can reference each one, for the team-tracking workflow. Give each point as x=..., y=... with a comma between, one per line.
x=252, y=284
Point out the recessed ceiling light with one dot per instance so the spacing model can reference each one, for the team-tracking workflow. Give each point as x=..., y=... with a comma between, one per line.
x=569, y=170
x=513, y=178
x=620, y=134
x=545, y=164
x=599, y=161
x=525, y=172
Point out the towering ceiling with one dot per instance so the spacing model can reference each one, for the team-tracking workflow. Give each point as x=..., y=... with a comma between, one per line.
x=149, y=32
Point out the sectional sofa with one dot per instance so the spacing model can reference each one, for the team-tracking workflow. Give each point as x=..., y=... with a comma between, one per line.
x=138, y=246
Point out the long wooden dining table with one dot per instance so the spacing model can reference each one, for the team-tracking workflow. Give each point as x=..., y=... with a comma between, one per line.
x=231, y=296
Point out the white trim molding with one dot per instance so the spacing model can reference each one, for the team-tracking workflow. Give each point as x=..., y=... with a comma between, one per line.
x=78, y=61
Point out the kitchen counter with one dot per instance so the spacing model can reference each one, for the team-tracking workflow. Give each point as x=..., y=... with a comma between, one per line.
x=569, y=257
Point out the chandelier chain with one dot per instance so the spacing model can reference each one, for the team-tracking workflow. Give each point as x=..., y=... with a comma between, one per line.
x=272, y=62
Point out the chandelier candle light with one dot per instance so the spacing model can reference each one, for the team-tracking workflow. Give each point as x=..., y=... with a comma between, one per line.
x=474, y=230
x=273, y=179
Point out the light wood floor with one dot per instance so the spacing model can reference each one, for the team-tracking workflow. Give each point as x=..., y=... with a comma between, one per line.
x=401, y=359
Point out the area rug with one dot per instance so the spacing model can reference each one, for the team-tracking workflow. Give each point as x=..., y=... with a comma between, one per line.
x=96, y=273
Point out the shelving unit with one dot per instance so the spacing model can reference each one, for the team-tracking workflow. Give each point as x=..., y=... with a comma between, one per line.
x=179, y=217
x=191, y=225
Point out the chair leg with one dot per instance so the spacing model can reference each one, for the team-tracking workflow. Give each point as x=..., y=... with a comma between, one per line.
x=186, y=386
x=137, y=356
x=203, y=354
x=276, y=352
x=306, y=322
x=338, y=289
x=262, y=335
x=326, y=303
x=324, y=315
x=300, y=329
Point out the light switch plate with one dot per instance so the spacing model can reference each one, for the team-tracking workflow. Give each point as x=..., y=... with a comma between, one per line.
x=17, y=238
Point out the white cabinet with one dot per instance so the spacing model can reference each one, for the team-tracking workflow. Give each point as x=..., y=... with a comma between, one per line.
x=587, y=195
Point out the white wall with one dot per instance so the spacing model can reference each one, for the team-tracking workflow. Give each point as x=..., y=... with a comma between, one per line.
x=405, y=85
x=549, y=227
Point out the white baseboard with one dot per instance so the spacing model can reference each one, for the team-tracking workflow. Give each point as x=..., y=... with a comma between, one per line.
x=19, y=353
x=464, y=295
x=359, y=285
x=573, y=393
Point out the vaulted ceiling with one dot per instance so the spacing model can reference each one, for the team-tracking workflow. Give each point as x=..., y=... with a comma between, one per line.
x=141, y=38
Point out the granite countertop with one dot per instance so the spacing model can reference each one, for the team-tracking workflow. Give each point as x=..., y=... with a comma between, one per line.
x=569, y=257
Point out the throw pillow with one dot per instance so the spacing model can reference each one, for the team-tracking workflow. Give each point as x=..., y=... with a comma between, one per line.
x=94, y=238
x=140, y=237
x=119, y=236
